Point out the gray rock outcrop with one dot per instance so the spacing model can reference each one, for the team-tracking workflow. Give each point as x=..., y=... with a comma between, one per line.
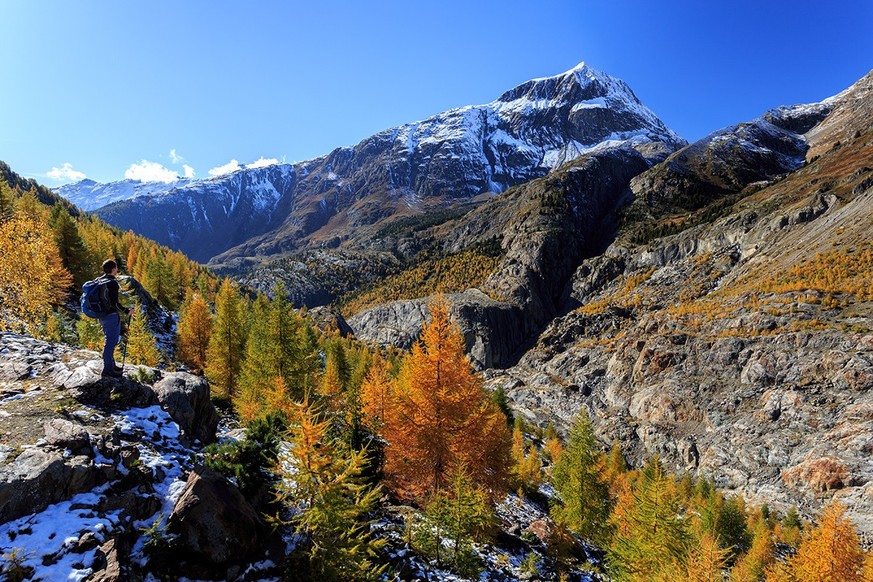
x=186, y=399
x=492, y=330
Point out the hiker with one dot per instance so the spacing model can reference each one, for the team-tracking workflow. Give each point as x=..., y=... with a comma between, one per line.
x=111, y=320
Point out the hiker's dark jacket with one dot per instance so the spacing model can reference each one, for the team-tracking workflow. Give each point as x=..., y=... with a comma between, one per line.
x=113, y=290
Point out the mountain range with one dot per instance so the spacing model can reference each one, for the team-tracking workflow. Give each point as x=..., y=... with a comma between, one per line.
x=441, y=162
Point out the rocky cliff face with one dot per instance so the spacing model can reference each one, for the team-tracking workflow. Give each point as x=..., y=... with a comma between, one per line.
x=545, y=228
x=740, y=347
x=442, y=161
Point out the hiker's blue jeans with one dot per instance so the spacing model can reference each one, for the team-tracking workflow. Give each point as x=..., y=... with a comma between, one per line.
x=111, y=325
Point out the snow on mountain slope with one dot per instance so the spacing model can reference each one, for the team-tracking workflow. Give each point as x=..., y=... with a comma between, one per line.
x=445, y=159
x=90, y=195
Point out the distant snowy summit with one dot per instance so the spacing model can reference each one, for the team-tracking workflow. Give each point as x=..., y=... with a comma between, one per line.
x=449, y=158
x=90, y=195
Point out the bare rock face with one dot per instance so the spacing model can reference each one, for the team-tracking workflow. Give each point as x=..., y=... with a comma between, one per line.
x=216, y=526
x=492, y=330
x=684, y=346
x=545, y=228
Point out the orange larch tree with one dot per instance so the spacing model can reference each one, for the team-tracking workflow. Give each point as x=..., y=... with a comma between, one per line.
x=829, y=553
x=376, y=394
x=441, y=416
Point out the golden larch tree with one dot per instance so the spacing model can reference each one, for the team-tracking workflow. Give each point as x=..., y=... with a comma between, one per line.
x=442, y=416
x=32, y=278
x=141, y=348
x=830, y=552
x=376, y=394
x=706, y=560
x=194, y=330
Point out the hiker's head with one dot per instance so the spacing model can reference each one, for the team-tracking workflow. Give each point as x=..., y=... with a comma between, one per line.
x=110, y=267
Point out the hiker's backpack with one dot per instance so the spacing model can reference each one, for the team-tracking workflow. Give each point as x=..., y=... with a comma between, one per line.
x=95, y=297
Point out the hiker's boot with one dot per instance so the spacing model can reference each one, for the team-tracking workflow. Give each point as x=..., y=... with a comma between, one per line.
x=116, y=373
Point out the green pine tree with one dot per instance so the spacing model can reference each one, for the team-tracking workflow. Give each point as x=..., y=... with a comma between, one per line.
x=459, y=515
x=585, y=505
x=74, y=255
x=277, y=348
x=7, y=202
x=731, y=529
x=653, y=542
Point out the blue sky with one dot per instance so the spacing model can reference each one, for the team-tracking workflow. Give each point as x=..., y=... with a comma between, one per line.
x=108, y=88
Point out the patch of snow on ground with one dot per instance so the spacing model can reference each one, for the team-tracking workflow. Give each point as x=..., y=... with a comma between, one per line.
x=46, y=538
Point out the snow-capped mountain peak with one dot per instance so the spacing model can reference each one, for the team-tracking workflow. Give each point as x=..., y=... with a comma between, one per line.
x=448, y=158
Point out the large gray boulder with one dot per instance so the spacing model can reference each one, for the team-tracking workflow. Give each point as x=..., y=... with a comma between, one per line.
x=64, y=434
x=186, y=398
x=215, y=525
x=37, y=478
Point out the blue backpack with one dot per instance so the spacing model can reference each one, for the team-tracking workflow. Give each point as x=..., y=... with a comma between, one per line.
x=95, y=297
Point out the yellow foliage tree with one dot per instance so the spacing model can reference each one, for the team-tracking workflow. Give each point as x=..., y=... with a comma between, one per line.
x=32, y=278
x=441, y=416
x=194, y=330
x=705, y=562
x=376, y=394
x=527, y=469
x=750, y=567
x=141, y=347
x=830, y=552
x=90, y=334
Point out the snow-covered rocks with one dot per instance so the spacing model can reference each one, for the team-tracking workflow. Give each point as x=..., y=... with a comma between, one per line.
x=88, y=462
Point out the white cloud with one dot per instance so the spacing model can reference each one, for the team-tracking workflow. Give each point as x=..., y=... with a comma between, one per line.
x=147, y=171
x=189, y=171
x=263, y=163
x=231, y=166
x=175, y=158
x=65, y=173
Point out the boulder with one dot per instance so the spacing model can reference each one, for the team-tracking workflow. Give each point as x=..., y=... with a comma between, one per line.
x=67, y=435
x=215, y=525
x=83, y=381
x=186, y=399
x=37, y=478
x=111, y=564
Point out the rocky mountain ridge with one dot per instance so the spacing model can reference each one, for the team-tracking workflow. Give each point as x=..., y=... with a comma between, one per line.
x=90, y=195
x=448, y=159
